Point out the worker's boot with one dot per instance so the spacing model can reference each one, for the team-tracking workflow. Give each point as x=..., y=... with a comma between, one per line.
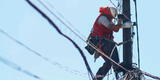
x=98, y=77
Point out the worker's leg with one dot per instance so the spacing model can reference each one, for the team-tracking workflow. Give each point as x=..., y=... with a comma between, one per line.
x=115, y=57
x=104, y=69
x=106, y=48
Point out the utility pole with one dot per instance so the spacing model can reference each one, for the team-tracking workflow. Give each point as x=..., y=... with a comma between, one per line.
x=127, y=35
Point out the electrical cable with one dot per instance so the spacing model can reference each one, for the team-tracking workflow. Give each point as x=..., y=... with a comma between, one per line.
x=59, y=31
x=113, y=3
x=139, y=60
x=67, y=69
x=150, y=75
x=77, y=34
x=138, y=50
x=18, y=68
x=86, y=42
x=92, y=45
x=68, y=22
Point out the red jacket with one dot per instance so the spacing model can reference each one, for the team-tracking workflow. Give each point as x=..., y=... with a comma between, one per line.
x=99, y=29
x=102, y=31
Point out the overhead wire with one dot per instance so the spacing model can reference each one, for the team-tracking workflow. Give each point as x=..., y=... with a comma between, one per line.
x=18, y=68
x=105, y=55
x=77, y=34
x=132, y=28
x=68, y=22
x=119, y=6
x=152, y=76
x=137, y=73
x=113, y=3
x=61, y=33
x=92, y=45
x=138, y=50
x=83, y=39
x=119, y=9
x=65, y=68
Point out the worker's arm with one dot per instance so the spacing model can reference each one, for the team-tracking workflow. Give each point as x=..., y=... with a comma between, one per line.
x=104, y=21
x=115, y=28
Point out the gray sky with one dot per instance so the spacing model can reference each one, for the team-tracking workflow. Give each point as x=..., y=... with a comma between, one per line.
x=23, y=23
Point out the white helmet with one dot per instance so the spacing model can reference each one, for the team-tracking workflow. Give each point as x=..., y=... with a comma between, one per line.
x=113, y=11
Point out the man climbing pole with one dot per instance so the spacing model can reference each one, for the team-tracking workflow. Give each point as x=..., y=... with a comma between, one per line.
x=101, y=36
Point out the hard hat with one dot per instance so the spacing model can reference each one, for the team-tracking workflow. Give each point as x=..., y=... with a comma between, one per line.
x=113, y=11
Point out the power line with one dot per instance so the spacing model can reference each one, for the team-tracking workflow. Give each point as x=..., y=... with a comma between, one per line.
x=65, y=68
x=132, y=34
x=158, y=78
x=136, y=16
x=90, y=44
x=77, y=34
x=113, y=3
x=150, y=75
x=18, y=68
x=84, y=40
x=138, y=50
x=61, y=33
x=68, y=22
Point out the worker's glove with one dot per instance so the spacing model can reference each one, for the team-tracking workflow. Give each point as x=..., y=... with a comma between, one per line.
x=121, y=16
x=127, y=24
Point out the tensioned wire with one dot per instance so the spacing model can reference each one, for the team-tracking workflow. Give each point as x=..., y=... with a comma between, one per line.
x=65, y=68
x=111, y=59
x=46, y=17
x=18, y=68
x=92, y=45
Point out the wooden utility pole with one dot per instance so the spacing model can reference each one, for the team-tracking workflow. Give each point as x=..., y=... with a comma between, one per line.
x=127, y=35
